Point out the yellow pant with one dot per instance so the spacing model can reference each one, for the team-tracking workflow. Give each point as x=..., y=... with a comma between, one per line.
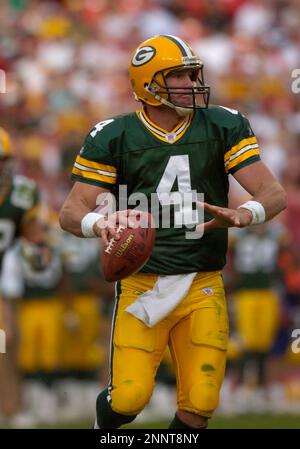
x=81, y=347
x=40, y=334
x=257, y=318
x=197, y=334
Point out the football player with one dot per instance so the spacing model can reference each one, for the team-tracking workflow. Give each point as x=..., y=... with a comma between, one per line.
x=34, y=291
x=81, y=347
x=176, y=142
x=256, y=252
x=19, y=205
x=19, y=201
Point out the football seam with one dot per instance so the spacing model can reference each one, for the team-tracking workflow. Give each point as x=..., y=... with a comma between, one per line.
x=112, y=241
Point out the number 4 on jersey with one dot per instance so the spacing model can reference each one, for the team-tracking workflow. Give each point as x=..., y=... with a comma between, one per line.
x=100, y=126
x=178, y=168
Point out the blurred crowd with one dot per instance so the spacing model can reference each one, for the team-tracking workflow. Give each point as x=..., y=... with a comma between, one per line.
x=67, y=68
x=66, y=65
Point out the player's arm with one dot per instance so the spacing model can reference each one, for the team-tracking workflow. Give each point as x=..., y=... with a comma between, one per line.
x=95, y=174
x=263, y=187
x=81, y=200
x=259, y=182
x=85, y=199
x=242, y=160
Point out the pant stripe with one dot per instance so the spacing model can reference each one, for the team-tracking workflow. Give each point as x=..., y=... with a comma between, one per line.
x=117, y=297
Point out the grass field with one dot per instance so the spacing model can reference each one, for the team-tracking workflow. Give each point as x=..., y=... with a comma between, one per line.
x=237, y=422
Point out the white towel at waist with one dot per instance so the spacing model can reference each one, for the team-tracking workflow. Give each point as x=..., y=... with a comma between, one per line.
x=154, y=305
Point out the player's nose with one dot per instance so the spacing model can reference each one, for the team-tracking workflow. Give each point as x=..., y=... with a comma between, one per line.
x=186, y=80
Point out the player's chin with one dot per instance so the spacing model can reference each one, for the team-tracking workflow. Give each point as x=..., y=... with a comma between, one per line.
x=183, y=101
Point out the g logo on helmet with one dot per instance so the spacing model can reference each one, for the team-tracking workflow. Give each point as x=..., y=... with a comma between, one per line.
x=143, y=55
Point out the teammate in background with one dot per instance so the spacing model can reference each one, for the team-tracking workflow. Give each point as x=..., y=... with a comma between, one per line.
x=174, y=143
x=19, y=206
x=255, y=252
x=84, y=343
x=33, y=288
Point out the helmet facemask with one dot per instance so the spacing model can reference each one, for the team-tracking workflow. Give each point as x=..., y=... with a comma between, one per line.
x=158, y=87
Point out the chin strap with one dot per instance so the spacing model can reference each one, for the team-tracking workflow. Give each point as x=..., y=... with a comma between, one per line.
x=183, y=112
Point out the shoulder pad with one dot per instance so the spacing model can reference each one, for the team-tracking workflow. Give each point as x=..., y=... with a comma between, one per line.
x=106, y=130
x=223, y=116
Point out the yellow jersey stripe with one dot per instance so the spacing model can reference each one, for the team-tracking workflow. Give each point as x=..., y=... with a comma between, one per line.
x=241, y=151
x=239, y=146
x=153, y=125
x=92, y=170
x=166, y=139
x=242, y=158
x=93, y=175
x=96, y=165
x=161, y=134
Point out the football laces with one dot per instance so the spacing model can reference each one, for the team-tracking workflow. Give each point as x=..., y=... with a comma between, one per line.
x=112, y=241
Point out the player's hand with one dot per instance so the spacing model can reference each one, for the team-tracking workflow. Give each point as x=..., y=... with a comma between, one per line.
x=107, y=227
x=224, y=217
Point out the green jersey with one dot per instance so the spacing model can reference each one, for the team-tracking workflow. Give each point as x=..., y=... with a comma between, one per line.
x=81, y=259
x=20, y=200
x=256, y=255
x=198, y=155
x=20, y=280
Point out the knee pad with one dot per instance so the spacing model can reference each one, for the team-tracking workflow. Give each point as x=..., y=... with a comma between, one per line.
x=106, y=417
x=205, y=397
x=130, y=397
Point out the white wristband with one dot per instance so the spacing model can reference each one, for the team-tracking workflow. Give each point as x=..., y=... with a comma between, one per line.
x=257, y=209
x=88, y=222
